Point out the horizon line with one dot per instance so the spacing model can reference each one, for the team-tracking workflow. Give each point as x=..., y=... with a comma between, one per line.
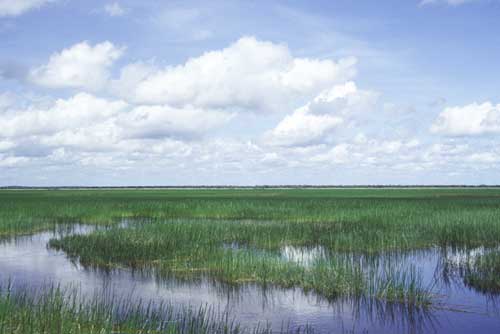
x=264, y=186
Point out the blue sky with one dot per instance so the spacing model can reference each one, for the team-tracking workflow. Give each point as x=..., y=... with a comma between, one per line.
x=249, y=92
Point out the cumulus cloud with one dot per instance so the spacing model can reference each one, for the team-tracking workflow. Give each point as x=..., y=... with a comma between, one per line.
x=472, y=119
x=91, y=123
x=162, y=106
x=302, y=128
x=345, y=100
x=248, y=75
x=79, y=66
x=78, y=111
x=163, y=121
x=155, y=117
x=114, y=9
x=313, y=122
x=18, y=7
x=131, y=75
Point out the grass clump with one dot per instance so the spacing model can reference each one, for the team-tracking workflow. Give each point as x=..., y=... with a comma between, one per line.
x=54, y=310
x=236, y=252
x=483, y=273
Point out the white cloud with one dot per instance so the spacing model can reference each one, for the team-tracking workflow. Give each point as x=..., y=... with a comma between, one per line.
x=18, y=7
x=78, y=111
x=472, y=119
x=163, y=112
x=93, y=137
x=313, y=122
x=345, y=100
x=163, y=121
x=6, y=145
x=94, y=124
x=114, y=9
x=249, y=74
x=340, y=153
x=12, y=161
x=131, y=76
x=364, y=151
x=302, y=128
x=483, y=157
x=82, y=65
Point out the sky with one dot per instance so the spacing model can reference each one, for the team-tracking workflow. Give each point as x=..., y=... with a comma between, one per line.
x=137, y=92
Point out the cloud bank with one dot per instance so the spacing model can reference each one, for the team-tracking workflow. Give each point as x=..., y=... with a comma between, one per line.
x=199, y=118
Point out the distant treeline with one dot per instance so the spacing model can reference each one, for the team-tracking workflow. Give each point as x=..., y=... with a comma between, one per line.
x=300, y=186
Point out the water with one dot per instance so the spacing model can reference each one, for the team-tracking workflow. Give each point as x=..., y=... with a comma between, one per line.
x=27, y=261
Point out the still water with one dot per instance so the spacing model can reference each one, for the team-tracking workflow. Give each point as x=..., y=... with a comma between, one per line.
x=28, y=261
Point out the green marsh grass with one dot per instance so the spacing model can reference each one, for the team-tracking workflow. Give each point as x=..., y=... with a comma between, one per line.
x=184, y=233
x=51, y=310
x=351, y=220
x=483, y=273
x=195, y=248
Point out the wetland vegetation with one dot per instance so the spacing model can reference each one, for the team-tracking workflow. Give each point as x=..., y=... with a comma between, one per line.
x=332, y=243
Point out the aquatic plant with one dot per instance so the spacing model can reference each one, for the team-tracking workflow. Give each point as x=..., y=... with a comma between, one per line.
x=52, y=309
x=483, y=273
x=186, y=233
